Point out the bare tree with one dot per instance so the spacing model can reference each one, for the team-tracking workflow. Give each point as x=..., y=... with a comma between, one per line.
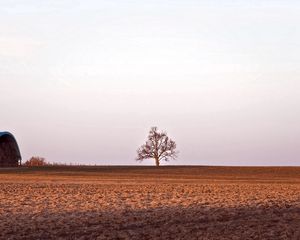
x=158, y=146
x=35, y=161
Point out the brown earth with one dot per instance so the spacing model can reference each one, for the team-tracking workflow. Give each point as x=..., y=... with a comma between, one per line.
x=150, y=203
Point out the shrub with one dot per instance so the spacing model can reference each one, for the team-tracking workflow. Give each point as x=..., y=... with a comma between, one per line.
x=36, y=161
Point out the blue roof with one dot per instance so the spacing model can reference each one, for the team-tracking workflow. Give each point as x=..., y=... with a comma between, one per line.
x=5, y=133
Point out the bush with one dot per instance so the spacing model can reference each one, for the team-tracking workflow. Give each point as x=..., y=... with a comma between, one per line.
x=35, y=161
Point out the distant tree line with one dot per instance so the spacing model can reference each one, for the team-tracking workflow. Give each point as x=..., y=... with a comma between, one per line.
x=158, y=147
x=36, y=161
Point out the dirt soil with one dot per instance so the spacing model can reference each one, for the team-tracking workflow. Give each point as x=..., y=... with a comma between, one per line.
x=150, y=203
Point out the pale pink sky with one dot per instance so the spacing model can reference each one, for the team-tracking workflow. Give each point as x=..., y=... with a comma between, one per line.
x=83, y=81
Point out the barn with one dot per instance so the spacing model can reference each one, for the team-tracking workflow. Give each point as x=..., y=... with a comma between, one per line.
x=10, y=155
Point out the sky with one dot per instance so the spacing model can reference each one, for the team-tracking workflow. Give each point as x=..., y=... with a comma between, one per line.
x=83, y=81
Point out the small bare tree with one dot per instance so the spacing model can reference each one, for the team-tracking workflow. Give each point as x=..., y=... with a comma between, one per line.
x=158, y=146
x=35, y=161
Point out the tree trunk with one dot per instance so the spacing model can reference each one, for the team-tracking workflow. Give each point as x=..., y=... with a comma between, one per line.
x=157, y=162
